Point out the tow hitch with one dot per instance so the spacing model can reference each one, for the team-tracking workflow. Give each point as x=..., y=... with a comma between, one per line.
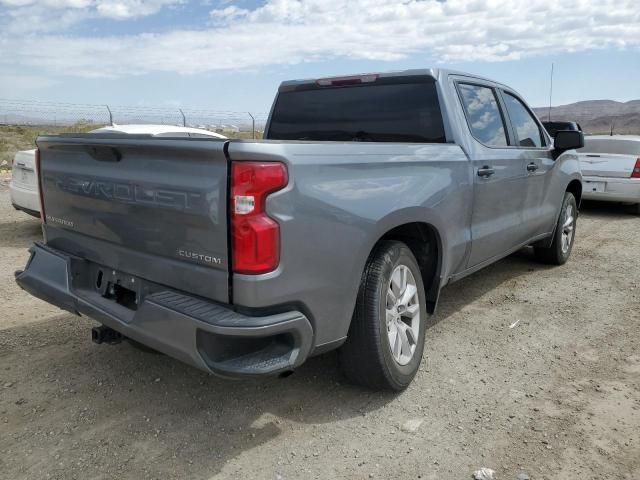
x=104, y=334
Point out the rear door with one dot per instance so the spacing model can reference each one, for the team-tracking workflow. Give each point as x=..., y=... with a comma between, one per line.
x=499, y=178
x=155, y=208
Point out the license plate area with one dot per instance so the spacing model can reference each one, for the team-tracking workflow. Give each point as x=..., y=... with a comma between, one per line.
x=122, y=288
x=597, y=187
x=25, y=177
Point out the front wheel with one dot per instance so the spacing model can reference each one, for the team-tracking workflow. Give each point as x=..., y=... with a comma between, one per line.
x=564, y=235
x=386, y=338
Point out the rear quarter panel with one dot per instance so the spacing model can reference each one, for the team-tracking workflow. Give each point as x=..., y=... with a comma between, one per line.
x=341, y=199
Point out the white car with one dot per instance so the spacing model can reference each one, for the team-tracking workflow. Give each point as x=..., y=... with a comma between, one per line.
x=611, y=168
x=24, y=184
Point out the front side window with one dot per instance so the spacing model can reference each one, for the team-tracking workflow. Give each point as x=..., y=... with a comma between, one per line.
x=483, y=114
x=527, y=129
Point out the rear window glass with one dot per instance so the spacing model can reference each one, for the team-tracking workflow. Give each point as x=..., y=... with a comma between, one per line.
x=389, y=110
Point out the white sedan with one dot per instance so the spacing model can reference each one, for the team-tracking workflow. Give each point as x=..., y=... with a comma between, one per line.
x=24, y=184
x=611, y=168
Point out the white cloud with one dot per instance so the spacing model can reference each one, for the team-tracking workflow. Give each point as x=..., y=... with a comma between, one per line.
x=295, y=31
x=228, y=13
x=23, y=17
x=131, y=8
x=36, y=15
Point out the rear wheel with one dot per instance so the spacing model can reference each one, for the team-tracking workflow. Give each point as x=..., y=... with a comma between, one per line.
x=560, y=250
x=386, y=338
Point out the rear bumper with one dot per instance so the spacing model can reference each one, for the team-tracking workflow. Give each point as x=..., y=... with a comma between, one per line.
x=24, y=199
x=615, y=189
x=28, y=211
x=207, y=335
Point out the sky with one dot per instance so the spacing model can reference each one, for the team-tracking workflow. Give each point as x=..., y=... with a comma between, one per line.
x=231, y=55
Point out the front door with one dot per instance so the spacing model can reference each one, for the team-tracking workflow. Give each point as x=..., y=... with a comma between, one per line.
x=539, y=210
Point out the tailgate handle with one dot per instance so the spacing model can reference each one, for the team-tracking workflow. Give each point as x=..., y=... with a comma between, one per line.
x=105, y=154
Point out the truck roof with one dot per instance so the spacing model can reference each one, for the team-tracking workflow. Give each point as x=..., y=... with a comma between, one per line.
x=435, y=73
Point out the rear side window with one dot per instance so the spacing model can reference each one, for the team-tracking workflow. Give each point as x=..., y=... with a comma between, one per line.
x=526, y=128
x=483, y=114
x=388, y=110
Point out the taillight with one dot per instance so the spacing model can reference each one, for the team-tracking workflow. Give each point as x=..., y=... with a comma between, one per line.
x=255, y=236
x=43, y=218
x=636, y=169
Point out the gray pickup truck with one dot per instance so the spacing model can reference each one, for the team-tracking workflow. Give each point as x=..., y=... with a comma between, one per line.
x=368, y=195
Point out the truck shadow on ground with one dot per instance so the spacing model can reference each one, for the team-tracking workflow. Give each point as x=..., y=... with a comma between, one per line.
x=20, y=233
x=607, y=210
x=190, y=421
x=154, y=416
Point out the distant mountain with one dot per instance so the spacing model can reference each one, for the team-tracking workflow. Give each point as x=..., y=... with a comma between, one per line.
x=598, y=116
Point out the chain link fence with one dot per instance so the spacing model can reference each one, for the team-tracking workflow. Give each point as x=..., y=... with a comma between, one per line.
x=21, y=121
x=31, y=113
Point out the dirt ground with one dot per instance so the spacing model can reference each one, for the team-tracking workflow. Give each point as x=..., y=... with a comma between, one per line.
x=556, y=397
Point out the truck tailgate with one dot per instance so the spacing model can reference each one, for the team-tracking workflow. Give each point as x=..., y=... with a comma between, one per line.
x=155, y=208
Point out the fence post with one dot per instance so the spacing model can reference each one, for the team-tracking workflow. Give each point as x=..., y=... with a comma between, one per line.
x=110, y=115
x=253, y=126
x=184, y=119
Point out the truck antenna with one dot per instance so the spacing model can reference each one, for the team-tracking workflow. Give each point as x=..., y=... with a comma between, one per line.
x=550, y=93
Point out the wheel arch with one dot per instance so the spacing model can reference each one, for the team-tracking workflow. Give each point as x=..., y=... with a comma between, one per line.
x=425, y=242
x=575, y=187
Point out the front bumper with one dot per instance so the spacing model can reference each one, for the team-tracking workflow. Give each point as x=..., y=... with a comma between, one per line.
x=207, y=335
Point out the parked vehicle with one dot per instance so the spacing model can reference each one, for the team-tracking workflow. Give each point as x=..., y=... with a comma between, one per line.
x=555, y=127
x=611, y=168
x=159, y=131
x=370, y=193
x=24, y=186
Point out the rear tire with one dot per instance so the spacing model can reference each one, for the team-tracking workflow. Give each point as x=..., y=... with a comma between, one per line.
x=386, y=338
x=565, y=233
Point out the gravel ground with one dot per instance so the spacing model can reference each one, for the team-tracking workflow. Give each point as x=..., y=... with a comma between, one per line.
x=557, y=396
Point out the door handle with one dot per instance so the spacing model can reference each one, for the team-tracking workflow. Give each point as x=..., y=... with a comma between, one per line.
x=532, y=167
x=486, y=171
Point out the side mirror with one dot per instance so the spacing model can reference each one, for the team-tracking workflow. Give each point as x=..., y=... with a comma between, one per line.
x=568, y=140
